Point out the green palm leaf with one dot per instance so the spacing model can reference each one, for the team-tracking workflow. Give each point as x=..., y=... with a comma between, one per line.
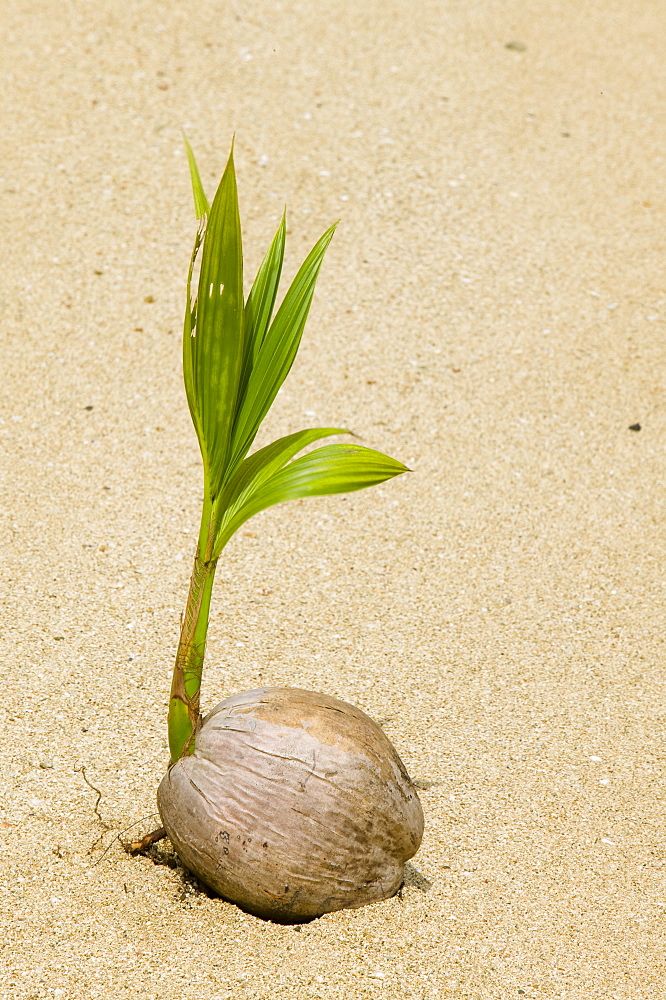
x=188, y=365
x=278, y=350
x=334, y=468
x=201, y=206
x=256, y=470
x=260, y=302
x=217, y=339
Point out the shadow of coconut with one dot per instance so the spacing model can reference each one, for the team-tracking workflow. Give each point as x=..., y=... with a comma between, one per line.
x=415, y=880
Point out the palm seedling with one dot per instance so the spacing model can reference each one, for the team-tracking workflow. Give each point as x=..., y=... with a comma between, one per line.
x=287, y=802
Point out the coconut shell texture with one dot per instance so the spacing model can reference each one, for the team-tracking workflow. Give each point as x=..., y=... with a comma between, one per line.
x=292, y=805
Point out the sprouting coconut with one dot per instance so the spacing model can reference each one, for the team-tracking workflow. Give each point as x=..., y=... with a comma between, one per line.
x=293, y=804
x=289, y=803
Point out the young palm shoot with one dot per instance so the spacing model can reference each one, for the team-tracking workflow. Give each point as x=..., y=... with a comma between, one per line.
x=287, y=802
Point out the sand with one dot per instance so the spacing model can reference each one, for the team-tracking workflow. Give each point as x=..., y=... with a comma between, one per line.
x=491, y=312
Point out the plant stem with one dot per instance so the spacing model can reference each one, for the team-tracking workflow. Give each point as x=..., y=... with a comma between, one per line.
x=184, y=716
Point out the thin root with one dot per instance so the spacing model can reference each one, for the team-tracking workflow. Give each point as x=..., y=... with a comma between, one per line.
x=99, y=798
x=139, y=846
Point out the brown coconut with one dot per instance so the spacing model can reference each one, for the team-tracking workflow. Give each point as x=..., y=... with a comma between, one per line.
x=292, y=805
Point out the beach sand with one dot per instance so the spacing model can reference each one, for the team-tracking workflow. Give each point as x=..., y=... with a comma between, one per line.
x=490, y=312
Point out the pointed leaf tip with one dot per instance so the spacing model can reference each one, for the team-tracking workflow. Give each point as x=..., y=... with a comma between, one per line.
x=201, y=206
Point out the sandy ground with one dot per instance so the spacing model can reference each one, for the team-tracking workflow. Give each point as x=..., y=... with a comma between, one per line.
x=490, y=311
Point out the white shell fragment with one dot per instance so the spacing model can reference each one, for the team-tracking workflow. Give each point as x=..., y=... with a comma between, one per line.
x=293, y=804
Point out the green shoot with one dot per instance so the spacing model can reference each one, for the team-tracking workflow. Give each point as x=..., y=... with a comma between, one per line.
x=236, y=355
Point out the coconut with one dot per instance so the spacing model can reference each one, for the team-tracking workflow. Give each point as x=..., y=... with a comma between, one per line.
x=293, y=804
